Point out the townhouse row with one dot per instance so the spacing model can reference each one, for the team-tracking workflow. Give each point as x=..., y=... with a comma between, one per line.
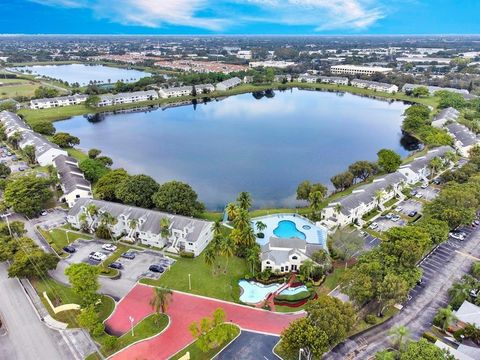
x=338, y=80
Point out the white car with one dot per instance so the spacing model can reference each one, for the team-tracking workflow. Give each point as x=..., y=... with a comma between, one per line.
x=97, y=256
x=373, y=225
x=109, y=247
x=457, y=235
x=424, y=186
x=418, y=196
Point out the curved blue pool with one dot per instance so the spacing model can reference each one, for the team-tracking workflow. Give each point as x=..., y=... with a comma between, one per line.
x=253, y=292
x=294, y=291
x=287, y=229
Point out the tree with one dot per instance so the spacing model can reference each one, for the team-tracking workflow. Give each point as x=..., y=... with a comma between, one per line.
x=164, y=227
x=450, y=99
x=406, y=245
x=231, y=211
x=388, y=160
x=392, y=290
x=93, y=170
x=346, y=244
x=342, y=181
x=210, y=255
x=65, y=140
x=475, y=270
x=45, y=92
x=303, y=334
x=93, y=153
x=444, y=317
x=253, y=258
x=209, y=331
x=92, y=101
x=363, y=169
x=260, y=226
x=27, y=194
x=137, y=190
x=435, y=165
x=160, y=300
x=305, y=188
x=44, y=127
x=423, y=350
x=29, y=261
x=400, y=335
x=437, y=229
x=14, y=139
x=4, y=170
x=177, y=198
x=244, y=200
x=306, y=269
x=243, y=234
x=84, y=281
x=227, y=249
x=88, y=318
x=29, y=152
x=421, y=91
x=104, y=160
x=315, y=199
x=106, y=186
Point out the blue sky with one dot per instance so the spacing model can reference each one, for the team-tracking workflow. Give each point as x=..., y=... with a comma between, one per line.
x=240, y=17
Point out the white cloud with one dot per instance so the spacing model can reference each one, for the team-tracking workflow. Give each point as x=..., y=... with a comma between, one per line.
x=320, y=14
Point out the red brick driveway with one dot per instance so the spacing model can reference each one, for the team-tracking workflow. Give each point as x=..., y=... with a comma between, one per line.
x=183, y=310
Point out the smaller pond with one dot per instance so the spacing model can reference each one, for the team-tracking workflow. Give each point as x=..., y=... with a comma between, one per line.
x=83, y=74
x=294, y=290
x=253, y=292
x=287, y=229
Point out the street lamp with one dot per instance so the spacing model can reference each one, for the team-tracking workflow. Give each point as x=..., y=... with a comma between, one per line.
x=5, y=216
x=131, y=323
x=189, y=282
x=66, y=232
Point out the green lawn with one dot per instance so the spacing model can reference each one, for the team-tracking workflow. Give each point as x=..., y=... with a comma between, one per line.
x=77, y=154
x=57, y=238
x=143, y=330
x=197, y=354
x=332, y=280
x=22, y=89
x=220, y=286
x=60, y=294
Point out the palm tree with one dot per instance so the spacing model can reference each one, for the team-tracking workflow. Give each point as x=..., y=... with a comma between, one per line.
x=400, y=334
x=231, y=211
x=160, y=300
x=260, y=226
x=217, y=228
x=253, y=257
x=210, y=257
x=378, y=197
x=108, y=220
x=165, y=227
x=227, y=249
x=445, y=316
x=15, y=139
x=92, y=210
x=306, y=269
x=338, y=208
x=132, y=224
x=450, y=156
x=244, y=200
x=435, y=165
x=315, y=198
x=459, y=292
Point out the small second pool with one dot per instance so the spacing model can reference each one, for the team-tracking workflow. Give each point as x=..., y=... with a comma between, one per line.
x=294, y=290
x=287, y=229
x=254, y=292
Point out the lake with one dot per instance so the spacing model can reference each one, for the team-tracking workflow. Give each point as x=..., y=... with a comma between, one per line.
x=83, y=74
x=265, y=145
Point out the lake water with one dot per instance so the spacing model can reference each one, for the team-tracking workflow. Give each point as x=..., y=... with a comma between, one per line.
x=264, y=145
x=83, y=74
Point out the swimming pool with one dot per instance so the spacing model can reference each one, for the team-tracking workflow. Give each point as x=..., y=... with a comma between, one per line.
x=287, y=229
x=253, y=292
x=294, y=290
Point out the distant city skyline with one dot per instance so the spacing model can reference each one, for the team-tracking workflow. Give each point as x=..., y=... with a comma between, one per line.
x=230, y=17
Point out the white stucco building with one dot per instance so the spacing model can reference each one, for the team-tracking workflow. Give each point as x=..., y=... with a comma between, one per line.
x=48, y=103
x=375, y=86
x=72, y=181
x=127, y=98
x=358, y=70
x=185, y=90
x=228, y=84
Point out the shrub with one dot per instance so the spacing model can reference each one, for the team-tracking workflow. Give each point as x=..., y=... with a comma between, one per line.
x=371, y=319
x=187, y=254
x=293, y=298
x=102, y=232
x=110, y=342
x=260, y=235
x=98, y=329
x=430, y=337
x=476, y=270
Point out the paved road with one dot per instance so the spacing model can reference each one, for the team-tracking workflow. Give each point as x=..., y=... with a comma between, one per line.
x=183, y=310
x=27, y=337
x=250, y=346
x=449, y=262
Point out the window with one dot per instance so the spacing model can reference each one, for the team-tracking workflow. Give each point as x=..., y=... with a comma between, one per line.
x=294, y=257
x=286, y=268
x=281, y=269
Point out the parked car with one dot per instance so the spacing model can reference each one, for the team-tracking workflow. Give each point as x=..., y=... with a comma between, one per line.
x=437, y=181
x=419, y=196
x=373, y=225
x=156, y=268
x=43, y=213
x=399, y=208
x=457, y=235
x=97, y=256
x=363, y=233
x=424, y=186
x=412, y=213
x=388, y=216
x=69, y=249
x=413, y=192
x=116, y=265
x=109, y=247
x=129, y=255
x=395, y=218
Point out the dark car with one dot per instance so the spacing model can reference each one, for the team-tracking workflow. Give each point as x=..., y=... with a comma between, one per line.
x=69, y=249
x=437, y=181
x=156, y=268
x=412, y=213
x=116, y=265
x=128, y=255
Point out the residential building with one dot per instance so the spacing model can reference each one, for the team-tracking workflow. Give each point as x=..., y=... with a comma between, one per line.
x=244, y=54
x=418, y=169
x=45, y=151
x=408, y=88
x=271, y=63
x=228, y=84
x=185, y=90
x=337, y=80
x=282, y=78
x=58, y=101
x=468, y=313
x=72, y=181
x=444, y=116
x=358, y=70
x=286, y=255
x=423, y=60
x=462, y=352
x=307, y=78
x=464, y=138
x=350, y=208
x=127, y=98
x=374, y=85
x=136, y=224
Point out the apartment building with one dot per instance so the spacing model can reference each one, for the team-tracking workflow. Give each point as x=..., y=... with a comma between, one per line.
x=228, y=84
x=358, y=70
x=72, y=180
x=59, y=101
x=127, y=98
x=185, y=90
x=374, y=85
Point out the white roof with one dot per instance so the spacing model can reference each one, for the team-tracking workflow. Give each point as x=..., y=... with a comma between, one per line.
x=469, y=313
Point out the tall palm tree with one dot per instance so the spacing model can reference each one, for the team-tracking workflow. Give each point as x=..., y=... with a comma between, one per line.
x=92, y=210
x=445, y=316
x=338, y=208
x=378, y=197
x=400, y=335
x=315, y=198
x=217, y=228
x=165, y=227
x=435, y=165
x=253, y=257
x=306, y=269
x=108, y=220
x=227, y=249
x=244, y=200
x=232, y=210
x=210, y=257
x=160, y=300
x=15, y=139
x=132, y=224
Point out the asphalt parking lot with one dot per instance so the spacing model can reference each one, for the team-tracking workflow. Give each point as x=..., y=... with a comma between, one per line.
x=385, y=224
x=429, y=193
x=137, y=268
x=53, y=219
x=83, y=249
x=409, y=205
x=250, y=346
